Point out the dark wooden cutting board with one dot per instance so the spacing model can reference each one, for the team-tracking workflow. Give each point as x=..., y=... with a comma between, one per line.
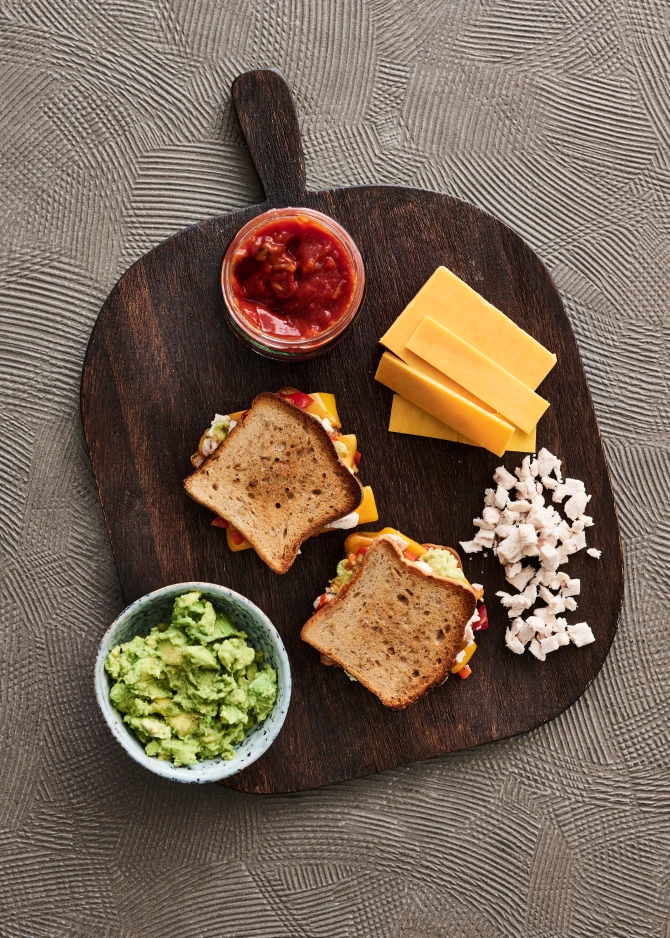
x=161, y=361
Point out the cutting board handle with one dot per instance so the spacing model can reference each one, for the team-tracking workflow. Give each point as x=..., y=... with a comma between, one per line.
x=268, y=120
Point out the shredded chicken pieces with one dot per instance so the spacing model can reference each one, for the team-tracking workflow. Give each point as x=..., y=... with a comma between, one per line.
x=532, y=540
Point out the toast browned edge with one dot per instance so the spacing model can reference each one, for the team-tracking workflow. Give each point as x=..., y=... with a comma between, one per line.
x=308, y=421
x=415, y=571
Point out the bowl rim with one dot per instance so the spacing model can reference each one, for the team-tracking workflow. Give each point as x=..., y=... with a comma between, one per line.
x=210, y=770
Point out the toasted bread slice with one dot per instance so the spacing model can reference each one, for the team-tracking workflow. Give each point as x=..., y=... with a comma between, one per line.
x=393, y=627
x=277, y=479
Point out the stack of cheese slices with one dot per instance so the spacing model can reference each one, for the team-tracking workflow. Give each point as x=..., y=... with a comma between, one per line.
x=462, y=370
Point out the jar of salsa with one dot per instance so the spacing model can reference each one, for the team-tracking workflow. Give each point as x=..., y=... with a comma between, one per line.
x=293, y=282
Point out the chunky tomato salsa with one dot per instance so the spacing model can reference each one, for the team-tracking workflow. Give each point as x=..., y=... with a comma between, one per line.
x=293, y=278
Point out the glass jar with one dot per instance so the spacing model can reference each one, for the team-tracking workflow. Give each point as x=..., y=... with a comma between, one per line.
x=293, y=283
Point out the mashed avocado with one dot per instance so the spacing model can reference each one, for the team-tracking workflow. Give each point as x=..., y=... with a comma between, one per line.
x=341, y=448
x=220, y=428
x=192, y=687
x=443, y=563
x=345, y=574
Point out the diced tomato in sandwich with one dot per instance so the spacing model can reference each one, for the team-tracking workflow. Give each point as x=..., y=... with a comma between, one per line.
x=236, y=537
x=357, y=458
x=219, y=522
x=299, y=399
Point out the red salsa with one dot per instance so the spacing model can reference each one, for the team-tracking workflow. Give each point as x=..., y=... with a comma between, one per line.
x=292, y=278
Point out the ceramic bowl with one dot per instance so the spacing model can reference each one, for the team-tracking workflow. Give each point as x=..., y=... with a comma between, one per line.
x=138, y=619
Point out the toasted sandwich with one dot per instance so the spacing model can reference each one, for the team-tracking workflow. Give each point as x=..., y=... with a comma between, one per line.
x=321, y=406
x=399, y=617
x=275, y=476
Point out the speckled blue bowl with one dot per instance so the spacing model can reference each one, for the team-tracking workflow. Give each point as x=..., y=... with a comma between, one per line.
x=138, y=619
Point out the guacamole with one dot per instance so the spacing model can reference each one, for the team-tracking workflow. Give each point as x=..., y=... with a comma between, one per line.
x=443, y=563
x=345, y=573
x=192, y=687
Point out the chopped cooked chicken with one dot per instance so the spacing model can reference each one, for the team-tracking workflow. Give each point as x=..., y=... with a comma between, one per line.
x=517, y=523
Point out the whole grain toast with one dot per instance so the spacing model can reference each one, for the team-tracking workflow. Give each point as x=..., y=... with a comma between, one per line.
x=277, y=479
x=393, y=627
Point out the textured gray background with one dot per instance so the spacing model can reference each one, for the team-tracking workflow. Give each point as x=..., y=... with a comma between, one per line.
x=115, y=132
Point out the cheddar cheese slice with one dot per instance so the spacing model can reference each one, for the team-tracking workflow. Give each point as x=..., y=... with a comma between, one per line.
x=465, y=364
x=367, y=510
x=349, y=441
x=455, y=305
x=519, y=443
x=408, y=418
x=324, y=406
x=412, y=420
x=456, y=411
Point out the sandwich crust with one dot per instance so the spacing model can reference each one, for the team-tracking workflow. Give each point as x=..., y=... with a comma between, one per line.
x=393, y=627
x=277, y=479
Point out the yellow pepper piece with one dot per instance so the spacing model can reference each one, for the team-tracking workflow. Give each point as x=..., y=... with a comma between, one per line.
x=469, y=648
x=365, y=538
x=412, y=546
x=324, y=407
x=355, y=541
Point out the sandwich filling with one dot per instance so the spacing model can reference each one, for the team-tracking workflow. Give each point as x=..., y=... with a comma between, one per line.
x=434, y=561
x=213, y=437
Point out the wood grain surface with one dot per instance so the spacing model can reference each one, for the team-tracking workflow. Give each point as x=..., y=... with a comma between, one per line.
x=161, y=361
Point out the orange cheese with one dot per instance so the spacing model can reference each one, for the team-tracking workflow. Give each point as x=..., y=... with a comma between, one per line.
x=349, y=441
x=465, y=364
x=455, y=305
x=410, y=419
x=451, y=408
x=367, y=510
x=520, y=442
